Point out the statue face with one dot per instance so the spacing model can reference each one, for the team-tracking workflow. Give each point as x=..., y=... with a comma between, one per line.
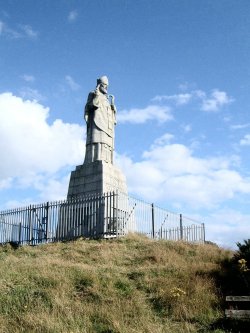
x=104, y=88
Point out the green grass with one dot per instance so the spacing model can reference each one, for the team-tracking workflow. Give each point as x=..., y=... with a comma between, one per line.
x=128, y=285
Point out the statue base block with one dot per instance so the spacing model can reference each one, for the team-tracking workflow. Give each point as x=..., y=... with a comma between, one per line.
x=95, y=178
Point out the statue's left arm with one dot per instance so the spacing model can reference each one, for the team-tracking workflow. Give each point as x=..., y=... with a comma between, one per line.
x=113, y=107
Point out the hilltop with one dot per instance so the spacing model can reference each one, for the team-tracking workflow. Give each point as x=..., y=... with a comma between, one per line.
x=132, y=284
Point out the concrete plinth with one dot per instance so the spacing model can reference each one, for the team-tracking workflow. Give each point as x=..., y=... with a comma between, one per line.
x=96, y=178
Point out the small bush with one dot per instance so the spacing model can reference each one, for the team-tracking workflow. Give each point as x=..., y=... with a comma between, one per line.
x=243, y=251
x=242, y=260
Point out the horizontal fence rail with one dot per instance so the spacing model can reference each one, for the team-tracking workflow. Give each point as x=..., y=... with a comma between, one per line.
x=107, y=215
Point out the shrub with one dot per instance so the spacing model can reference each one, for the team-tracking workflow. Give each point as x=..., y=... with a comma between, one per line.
x=241, y=263
x=244, y=251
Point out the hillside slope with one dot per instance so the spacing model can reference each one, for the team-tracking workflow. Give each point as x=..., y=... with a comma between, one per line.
x=131, y=284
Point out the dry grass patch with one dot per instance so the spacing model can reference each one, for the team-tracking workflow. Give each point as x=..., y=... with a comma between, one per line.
x=132, y=284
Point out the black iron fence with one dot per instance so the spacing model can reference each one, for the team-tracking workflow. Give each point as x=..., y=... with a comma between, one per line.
x=100, y=216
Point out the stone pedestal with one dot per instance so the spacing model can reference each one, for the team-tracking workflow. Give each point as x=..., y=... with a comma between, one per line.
x=96, y=178
x=99, y=212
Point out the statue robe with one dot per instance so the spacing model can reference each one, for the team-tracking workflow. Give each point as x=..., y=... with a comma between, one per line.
x=101, y=118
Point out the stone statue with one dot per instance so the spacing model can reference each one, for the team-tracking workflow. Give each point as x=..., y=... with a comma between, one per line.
x=100, y=116
x=98, y=174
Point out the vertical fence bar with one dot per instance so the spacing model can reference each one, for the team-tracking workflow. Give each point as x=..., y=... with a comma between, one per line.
x=153, y=220
x=30, y=225
x=203, y=232
x=181, y=227
x=19, y=233
x=118, y=231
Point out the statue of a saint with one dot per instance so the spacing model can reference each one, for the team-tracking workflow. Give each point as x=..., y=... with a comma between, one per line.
x=100, y=116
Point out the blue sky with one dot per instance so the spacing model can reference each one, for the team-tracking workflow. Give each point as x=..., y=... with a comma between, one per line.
x=180, y=72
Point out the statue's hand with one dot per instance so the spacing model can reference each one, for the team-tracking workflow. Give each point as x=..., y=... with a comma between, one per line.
x=97, y=90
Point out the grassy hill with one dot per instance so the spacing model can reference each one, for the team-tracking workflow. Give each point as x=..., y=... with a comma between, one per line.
x=132, y=284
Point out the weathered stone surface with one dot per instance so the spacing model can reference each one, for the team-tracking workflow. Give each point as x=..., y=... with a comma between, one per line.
x=100, y=116
x=96, y=178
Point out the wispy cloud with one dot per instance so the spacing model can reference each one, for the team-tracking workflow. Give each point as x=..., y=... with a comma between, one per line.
x=140, y=116
x=164, y=139
x=186, y=127
x=180, y=99
x=31, y=94
x=22, y=31
x=239, y=126
x=72, y=84
x=184, y=86
x=5, y=183
x=245, y=141
x=1, y=27
x=28, y=31
x=209, y=103
x=28, y=78
x=5, y=30
x=72, y=16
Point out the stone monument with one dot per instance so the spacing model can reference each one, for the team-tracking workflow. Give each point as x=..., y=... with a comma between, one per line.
x=98, y=175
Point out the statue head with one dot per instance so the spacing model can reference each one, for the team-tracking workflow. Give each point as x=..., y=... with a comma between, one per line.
x=103, y=83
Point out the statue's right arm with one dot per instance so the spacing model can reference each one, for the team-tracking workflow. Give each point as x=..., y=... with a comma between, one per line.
x=96, y=101
x=88, y=106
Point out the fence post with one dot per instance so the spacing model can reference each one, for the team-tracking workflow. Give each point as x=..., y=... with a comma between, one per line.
x=181, y=227
x=153, y=220
x=118, y=231
x=46, y=224
x=203, y=232
x=19, y=233
x=30, y=225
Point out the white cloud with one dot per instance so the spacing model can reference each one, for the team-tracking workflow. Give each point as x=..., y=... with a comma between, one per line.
x=214, y=102
x=227, y=226
x=72, y=84
x=72, y=15
x=1, y=27
x=179, y=99
x=55, y=186
x=187, y=128
x=199, y=94
x=32, y=94
x=23, y=31
x=5, y=30
x=5, y=183
x=184, y=86
x=28, y=78
x=217, y=100
x=11, y=204
x=140, y=116
x=28, y=31
x=33, y=150
x=245, y=141
x=239, y=126
x=165, y=138
x=172, y=172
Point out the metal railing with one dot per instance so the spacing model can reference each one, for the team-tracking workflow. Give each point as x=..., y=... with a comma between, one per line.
x=99, y=216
